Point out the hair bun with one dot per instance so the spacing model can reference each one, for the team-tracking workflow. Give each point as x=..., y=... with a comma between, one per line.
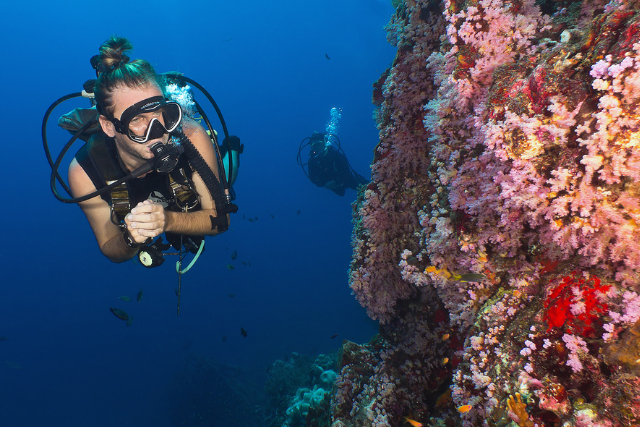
x=112, y=54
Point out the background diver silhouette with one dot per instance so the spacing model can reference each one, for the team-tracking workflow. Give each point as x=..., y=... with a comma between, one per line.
x=328, y=166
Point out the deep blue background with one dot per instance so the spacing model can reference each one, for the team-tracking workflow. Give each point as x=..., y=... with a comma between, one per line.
x=265, y=64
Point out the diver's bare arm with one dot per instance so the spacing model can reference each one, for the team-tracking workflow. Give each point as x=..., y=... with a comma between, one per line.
x=202, y=222
x=117, y=250
x=109, y=236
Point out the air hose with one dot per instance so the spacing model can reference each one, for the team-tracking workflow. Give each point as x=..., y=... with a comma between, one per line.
x=223, y=206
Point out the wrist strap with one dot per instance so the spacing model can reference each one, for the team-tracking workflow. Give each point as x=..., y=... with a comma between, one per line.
x=130, y=242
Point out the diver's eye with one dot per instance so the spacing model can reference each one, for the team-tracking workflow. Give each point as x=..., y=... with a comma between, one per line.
x=137, y=121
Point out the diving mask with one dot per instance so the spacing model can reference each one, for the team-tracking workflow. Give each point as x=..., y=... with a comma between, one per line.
x=149, y=119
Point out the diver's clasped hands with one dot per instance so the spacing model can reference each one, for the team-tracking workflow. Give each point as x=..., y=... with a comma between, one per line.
x=146, y=220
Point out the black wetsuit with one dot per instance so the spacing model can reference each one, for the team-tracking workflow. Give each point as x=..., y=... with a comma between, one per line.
x=333, y=166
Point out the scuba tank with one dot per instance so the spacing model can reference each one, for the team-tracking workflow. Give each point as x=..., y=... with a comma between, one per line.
x=231, y=149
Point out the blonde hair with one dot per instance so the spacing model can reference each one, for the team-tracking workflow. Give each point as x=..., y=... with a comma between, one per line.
x=116, y=70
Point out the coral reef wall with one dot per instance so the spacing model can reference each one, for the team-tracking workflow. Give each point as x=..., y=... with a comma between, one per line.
x=498, y=243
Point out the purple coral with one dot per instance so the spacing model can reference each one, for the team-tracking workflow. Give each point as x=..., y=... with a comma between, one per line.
x=509, y=153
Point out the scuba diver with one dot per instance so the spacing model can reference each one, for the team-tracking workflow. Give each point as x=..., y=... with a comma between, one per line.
x=148, y=166
x=328, y=166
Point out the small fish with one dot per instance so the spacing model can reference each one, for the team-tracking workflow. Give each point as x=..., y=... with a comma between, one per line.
x=234, y=255
x=433, y=269
x=13, y=365
x=125, y=298
x=445, y=360
x=249, y=263
x=326, y=56
x=333, y=336
x=467, y=277
x=243, y=217
x=231, y=295
x=250, y=219
x=120, y=314
x=224, y=338
x=4, y=339
x=230, y=267
x=414, y=423
x=445, y=337
x=298, y=212
x=243, y=332
x=273, y=216
x=129, y=321
x=243, y=263
x=139, y=296
x=472, y=277
x=255, y=219
x=464, y=408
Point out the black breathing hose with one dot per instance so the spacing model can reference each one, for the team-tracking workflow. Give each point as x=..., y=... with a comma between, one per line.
x=147, y=167
x=223, y=207
x=222, y=122
x=45, y=142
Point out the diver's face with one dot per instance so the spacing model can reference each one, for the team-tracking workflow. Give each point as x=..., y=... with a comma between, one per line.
x=124, y=98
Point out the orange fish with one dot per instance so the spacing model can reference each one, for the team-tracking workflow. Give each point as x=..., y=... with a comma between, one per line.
x=414, y=423
x=464, y=408
x=445, y=337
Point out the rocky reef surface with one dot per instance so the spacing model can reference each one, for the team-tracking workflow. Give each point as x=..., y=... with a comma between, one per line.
x=498, y=242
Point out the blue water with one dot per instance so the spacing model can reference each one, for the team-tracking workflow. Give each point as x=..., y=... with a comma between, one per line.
x=67, y=360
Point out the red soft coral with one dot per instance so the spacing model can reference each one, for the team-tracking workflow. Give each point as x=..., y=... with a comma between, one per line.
x=575, y=290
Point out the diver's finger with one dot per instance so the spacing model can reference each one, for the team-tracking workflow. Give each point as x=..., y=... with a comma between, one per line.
x=147, y=225
x=149, y=233
x=147, y=215
x=138, y=236
x=146, y=209
x=144, y=217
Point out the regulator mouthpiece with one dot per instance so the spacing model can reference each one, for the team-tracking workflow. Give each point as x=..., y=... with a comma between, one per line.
x=165, y=156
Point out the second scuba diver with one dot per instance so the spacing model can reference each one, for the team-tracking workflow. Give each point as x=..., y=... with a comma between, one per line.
x=137, y=122
x=328, y=166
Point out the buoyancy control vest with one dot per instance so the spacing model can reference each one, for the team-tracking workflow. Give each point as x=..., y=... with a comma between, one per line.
x=174, y=190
